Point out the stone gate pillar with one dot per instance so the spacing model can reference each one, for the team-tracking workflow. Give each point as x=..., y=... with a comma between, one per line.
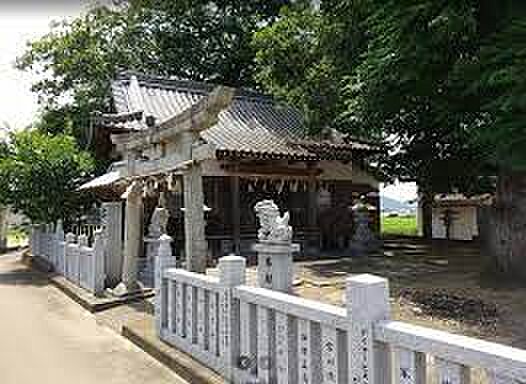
x=274, y=248
x=132, y=240
x=196, y=247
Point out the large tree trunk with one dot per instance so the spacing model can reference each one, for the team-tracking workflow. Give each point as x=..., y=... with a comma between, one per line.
x=427, y=214
x=505, y=228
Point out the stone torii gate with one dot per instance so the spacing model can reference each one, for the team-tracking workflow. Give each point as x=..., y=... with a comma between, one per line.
x=172, y=147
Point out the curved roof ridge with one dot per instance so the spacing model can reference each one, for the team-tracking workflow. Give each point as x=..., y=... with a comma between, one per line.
x=193, y=86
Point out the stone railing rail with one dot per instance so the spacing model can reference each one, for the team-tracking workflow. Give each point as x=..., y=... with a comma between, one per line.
x=256, y=335
x=70, y=256
x=454, y=355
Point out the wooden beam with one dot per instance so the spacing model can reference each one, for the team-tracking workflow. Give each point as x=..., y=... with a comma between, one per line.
x=265, y=170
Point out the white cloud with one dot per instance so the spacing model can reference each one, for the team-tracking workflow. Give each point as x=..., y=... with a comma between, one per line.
x=400, y=191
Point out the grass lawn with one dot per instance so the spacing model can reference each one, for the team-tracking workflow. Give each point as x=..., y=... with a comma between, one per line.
x=401, y=225
x=16, y=237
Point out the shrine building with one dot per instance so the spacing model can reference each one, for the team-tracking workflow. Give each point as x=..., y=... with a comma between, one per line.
x=211, y=153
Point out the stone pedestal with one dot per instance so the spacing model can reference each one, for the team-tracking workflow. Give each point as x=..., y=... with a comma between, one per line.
x=275, y=264
x=132, y=241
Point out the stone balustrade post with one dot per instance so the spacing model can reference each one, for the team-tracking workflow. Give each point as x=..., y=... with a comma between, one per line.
x=113, y=231
x=98, y=263
x=41, y=238
x=82, y=261
x=69, y=262
x=33, y=240
x=367, y=301
x=50, y=244
x=36, y=250
x=164, y=260
x=43, y=242
x=83, y=240
x=41, y=235
x=232, y=271
x=55, y=245
x=59, y=248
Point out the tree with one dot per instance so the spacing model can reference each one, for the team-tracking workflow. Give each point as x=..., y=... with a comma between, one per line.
x=292, y=67
x=501, y=86
x=198, y=40
x=39, y=175
x=444, y=80
x=383, y=70
x=305, y=56
x=74, y=64
x=406, y=87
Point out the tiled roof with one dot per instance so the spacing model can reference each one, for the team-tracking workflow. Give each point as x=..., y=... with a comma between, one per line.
x=254, y=126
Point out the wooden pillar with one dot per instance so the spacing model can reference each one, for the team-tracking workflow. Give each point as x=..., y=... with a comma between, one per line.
x=313, y=238
x=236, y=214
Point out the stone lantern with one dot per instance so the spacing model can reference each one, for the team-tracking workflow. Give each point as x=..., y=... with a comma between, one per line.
x=363, y=240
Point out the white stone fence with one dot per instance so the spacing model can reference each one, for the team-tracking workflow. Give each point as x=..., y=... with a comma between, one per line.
x=71, y=256
x=257, y=335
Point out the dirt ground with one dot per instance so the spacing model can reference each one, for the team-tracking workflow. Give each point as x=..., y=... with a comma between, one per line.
x=438, y=285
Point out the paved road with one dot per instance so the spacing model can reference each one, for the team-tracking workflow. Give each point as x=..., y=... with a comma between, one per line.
x=47, y=338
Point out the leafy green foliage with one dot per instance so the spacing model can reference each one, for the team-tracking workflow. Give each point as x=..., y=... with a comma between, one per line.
x=39, y=174
x=438, y=81
x=502, y=90
x=203, y=40
x=405, y=87
x=291, y=64
x=304, y=57
x=74, y=64
x=200, y=40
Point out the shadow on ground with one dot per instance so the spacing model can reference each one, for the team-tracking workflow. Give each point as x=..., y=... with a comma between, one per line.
x=423, y=276
x=13, y=272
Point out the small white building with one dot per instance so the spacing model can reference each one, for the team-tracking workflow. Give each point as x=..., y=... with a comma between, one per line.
x=455, y=216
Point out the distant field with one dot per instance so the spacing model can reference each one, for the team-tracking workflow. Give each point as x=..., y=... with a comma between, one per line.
x=401, y=225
